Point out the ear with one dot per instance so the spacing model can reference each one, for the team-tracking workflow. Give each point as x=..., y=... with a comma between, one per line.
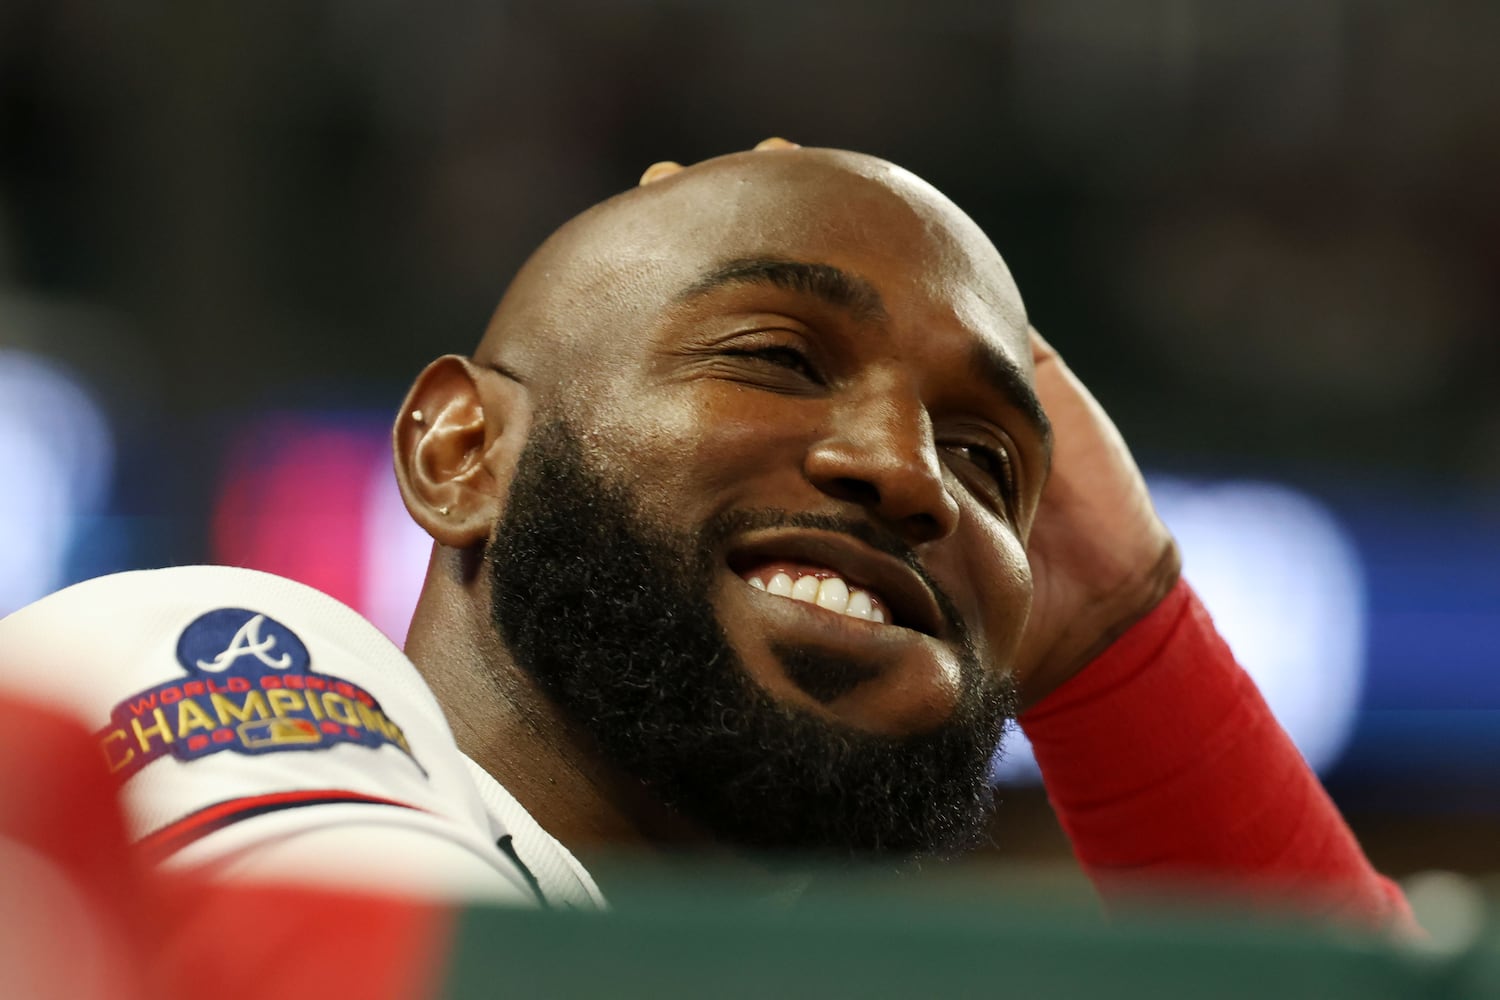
x=456, y=441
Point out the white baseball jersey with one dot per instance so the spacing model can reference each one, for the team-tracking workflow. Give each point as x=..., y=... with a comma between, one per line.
x=264, y=730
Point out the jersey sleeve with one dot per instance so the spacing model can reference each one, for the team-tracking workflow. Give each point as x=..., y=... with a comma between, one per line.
x=1166, y=768
x=260, y=729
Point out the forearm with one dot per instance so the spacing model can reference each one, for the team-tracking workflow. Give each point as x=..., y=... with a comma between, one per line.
x=1166, y=767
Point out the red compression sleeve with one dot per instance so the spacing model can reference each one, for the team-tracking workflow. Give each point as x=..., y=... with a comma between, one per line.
x=1166, y=768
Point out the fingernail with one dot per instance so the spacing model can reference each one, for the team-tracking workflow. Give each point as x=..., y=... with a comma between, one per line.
x=660, y=169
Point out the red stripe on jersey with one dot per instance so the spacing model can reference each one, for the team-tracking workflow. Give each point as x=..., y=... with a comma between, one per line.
x=195, y=826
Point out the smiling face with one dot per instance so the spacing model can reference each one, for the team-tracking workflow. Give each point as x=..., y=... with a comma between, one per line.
x=802, y=379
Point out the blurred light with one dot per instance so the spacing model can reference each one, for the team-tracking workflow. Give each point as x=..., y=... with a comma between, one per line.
x=1286, y=589
x=293, y=500
x=311, y=496
x=396, y=552
x=58, y=459
x=1449, y=907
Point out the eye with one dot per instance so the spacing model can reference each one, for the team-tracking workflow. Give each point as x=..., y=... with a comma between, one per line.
x=782, y=356
x=993, y=464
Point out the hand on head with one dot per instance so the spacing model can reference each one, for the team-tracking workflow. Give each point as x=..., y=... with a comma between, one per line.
x=666, y=168
x=1100, y=557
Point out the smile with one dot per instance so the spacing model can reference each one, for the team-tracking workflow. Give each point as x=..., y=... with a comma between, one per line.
x=820, y=587
x=840, y=575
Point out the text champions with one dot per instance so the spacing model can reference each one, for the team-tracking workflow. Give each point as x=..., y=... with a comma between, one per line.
x=250, y=715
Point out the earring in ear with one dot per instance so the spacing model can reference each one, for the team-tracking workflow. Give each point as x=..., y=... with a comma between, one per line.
x=443, y=510
x=416, y=415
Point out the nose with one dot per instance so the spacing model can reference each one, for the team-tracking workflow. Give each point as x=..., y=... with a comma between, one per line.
x=880, y=453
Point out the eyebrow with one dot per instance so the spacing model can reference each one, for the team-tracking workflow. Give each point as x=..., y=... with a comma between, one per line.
x=1006, y=378
x=849, y=292
x=831, y=285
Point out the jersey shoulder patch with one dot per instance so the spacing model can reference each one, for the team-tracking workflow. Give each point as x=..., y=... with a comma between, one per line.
x=259, y=726
x=247, y=686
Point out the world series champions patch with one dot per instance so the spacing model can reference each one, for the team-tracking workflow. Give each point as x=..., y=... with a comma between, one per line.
x=250, y=690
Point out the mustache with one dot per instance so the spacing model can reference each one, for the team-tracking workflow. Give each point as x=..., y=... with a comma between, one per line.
x=878, y=537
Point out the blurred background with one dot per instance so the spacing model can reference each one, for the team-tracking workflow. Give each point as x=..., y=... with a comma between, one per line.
x=1264, y=234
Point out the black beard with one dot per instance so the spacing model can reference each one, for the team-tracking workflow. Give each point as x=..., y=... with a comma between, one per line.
x=610, y=615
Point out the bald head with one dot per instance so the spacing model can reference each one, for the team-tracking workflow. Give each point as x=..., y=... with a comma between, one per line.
x=606, y=274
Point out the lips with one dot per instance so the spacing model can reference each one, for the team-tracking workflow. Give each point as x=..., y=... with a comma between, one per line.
x=839, y=574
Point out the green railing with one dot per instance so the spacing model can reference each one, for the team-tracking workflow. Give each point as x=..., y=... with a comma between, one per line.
x=846, y=939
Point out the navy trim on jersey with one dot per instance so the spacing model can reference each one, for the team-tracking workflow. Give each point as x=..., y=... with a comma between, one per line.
x=506, y=844
x=197, y=825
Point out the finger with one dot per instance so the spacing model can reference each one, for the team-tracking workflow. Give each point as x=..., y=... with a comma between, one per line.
x=1041, y=351
x=776, y=142
x=660, y=169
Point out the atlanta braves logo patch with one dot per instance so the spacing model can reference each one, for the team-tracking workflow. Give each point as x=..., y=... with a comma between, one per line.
x=249, y=689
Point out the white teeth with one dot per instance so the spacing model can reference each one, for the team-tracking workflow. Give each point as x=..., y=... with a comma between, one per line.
x=833, y=594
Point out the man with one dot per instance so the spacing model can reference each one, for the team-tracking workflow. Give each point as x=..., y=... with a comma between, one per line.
x=757, y=511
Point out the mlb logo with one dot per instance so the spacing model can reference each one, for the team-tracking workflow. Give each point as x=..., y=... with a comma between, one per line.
x=278, y=732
